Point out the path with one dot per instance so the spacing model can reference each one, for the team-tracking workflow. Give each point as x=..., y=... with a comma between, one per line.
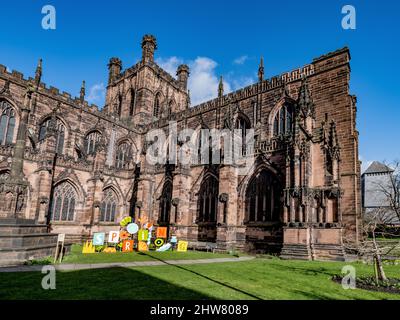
x=72, y=267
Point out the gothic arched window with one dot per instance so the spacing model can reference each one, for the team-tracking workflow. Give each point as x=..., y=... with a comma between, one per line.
x=263, y=198
x=123, y=155
x=283, y=121
x=204, y=144
x=7, y=123
x=165, y=203
x=92, y=140
x=157, y=105
x=60, y=129
x=242, y=124
x=108, y=206
x=63, y=202
x=208, y=200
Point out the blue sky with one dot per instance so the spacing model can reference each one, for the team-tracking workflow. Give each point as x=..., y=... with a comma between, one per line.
x=216, y=38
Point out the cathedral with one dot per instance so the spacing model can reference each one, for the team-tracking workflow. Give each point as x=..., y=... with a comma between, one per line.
x=78, y=169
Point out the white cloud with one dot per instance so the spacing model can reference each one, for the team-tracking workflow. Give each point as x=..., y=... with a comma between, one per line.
x=241, y=59
x=97, y=94
x=204, y=79
x=169, y=64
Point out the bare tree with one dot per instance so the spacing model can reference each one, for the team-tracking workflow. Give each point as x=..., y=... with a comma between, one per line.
x=380, y=238
x=377, y=229
x=390, y=190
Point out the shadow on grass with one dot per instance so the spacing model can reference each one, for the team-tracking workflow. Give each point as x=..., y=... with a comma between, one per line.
x=207, y=278
x=102, y=284
x=305, y=271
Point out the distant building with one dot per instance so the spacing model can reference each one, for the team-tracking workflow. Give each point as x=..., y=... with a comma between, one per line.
x=375, y=183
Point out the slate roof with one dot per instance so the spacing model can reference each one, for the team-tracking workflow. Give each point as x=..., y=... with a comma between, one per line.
x=377, y=167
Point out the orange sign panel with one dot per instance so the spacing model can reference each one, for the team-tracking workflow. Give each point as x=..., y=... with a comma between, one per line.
x=127, y=246
x=161, y=232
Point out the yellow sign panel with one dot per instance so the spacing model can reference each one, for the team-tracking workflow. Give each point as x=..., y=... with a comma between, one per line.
x=142, y=246
x=88, y=247
x=182, y=246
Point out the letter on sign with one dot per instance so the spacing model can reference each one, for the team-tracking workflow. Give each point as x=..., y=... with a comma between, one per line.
x=98, y=238
x=143, y=235
x=127, y=246
x=113, y=237
x=182, y=246
x=161, y=232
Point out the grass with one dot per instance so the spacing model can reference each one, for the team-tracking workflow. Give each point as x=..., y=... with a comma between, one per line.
x=256, y=279
x=76, y=256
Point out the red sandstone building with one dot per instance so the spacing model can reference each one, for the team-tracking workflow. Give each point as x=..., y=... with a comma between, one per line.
x=80, y=169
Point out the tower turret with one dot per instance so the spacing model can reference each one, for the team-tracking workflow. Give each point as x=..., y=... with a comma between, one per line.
x=183, y=75
x=149, y=45
x=220, y=87
x=114, y=69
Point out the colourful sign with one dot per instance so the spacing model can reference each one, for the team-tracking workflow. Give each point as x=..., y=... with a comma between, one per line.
x=110, y=250
x=143, y=235
x=174, y=239
x=124, y=235
x=182, y=246
x=127, y=246
x=98, y=238
x=113, y=237
x=159, y=242
x=88, y=247
x=125, y=221
x=142, y=246
x=161, y=232
x=132, y=228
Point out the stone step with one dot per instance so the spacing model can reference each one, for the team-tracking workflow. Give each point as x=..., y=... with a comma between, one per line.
x=26, y=240
x=27, y=253
x=294, y=251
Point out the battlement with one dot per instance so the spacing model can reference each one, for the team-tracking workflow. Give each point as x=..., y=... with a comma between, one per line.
x=52, y=91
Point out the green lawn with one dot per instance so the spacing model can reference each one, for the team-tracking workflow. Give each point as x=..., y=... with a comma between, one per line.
x=260, y=278
x=76, y=256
